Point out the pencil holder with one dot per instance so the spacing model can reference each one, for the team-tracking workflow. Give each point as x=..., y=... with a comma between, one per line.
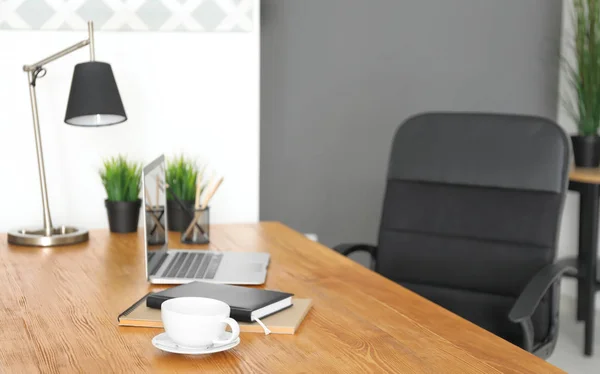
x=155, y=225
x=198, y=230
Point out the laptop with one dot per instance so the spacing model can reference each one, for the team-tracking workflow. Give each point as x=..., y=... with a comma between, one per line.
x=166, y=265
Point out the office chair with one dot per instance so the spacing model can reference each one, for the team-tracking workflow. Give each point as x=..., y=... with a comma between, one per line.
x=471, y=217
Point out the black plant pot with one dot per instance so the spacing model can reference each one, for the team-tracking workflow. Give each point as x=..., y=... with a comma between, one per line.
x=586, y=150
x=178, y=219
x=123, y=216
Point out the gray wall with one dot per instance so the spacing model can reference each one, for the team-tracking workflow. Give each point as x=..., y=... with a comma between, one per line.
x=339, y=76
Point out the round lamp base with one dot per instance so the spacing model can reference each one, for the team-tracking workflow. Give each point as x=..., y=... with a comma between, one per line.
x=62, y=235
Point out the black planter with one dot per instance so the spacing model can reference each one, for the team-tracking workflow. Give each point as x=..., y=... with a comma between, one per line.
x=178, y=219
x=123, y=216
x=586, y=150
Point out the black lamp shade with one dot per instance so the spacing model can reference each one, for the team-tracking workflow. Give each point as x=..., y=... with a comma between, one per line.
x=94, y=99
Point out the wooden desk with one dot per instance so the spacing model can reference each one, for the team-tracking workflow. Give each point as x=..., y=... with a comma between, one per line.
x=59, y=308
x=586, y=181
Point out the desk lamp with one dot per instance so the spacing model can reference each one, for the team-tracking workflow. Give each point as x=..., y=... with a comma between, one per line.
x=94, y=100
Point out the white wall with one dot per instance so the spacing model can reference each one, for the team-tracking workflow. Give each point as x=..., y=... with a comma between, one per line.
x=196, y=93
x=569, y=242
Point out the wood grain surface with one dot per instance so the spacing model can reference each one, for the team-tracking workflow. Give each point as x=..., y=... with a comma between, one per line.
x=59, y=309
x=585, y=175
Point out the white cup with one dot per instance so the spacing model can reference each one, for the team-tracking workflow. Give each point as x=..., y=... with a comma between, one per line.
x=197, y=322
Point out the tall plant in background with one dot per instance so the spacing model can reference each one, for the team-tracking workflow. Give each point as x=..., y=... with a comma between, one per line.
x=584, y=78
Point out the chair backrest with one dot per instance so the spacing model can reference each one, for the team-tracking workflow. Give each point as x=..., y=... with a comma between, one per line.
x=472, y=211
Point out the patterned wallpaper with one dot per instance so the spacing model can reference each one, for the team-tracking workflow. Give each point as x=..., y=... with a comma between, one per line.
x=127, y=15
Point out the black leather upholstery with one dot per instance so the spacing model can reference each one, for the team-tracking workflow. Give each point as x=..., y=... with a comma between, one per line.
x=471, y=213
x=457, y=148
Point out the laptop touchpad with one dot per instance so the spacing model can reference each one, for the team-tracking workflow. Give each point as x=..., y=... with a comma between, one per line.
x=254, y=267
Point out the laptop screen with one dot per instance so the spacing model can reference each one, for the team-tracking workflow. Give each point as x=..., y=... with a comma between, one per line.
x=155, y=213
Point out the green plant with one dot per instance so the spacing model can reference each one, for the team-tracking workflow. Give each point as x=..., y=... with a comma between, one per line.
x=122, y=179
x=584, y=78
x=181, y=177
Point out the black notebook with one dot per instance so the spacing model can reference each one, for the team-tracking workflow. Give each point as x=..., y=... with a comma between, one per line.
x=246, y=303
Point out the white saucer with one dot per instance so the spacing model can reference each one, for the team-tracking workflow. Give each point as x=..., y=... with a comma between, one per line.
x=164, y=343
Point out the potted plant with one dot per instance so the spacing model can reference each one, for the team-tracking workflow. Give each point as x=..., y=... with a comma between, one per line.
x=181, y=175
x=584, y=106
x=122, y=181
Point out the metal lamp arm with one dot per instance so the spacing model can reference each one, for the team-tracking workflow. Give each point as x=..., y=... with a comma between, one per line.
x=89, y=41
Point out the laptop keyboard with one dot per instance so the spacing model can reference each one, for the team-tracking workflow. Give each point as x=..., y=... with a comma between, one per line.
x=190, y=265
x=158, y=264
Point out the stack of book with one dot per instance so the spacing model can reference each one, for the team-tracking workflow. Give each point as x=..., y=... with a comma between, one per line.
x=280, y=312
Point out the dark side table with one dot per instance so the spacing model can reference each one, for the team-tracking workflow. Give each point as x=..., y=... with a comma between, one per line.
x=587, y=183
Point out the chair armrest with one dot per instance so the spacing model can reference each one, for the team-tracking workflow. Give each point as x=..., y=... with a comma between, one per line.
x=533, y=292
x=348, y=248
x=531, y=296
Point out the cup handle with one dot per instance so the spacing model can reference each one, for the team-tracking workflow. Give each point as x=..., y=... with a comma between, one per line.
x=235, y=332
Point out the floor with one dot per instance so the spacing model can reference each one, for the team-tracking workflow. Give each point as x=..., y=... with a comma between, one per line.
x=568, y=354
